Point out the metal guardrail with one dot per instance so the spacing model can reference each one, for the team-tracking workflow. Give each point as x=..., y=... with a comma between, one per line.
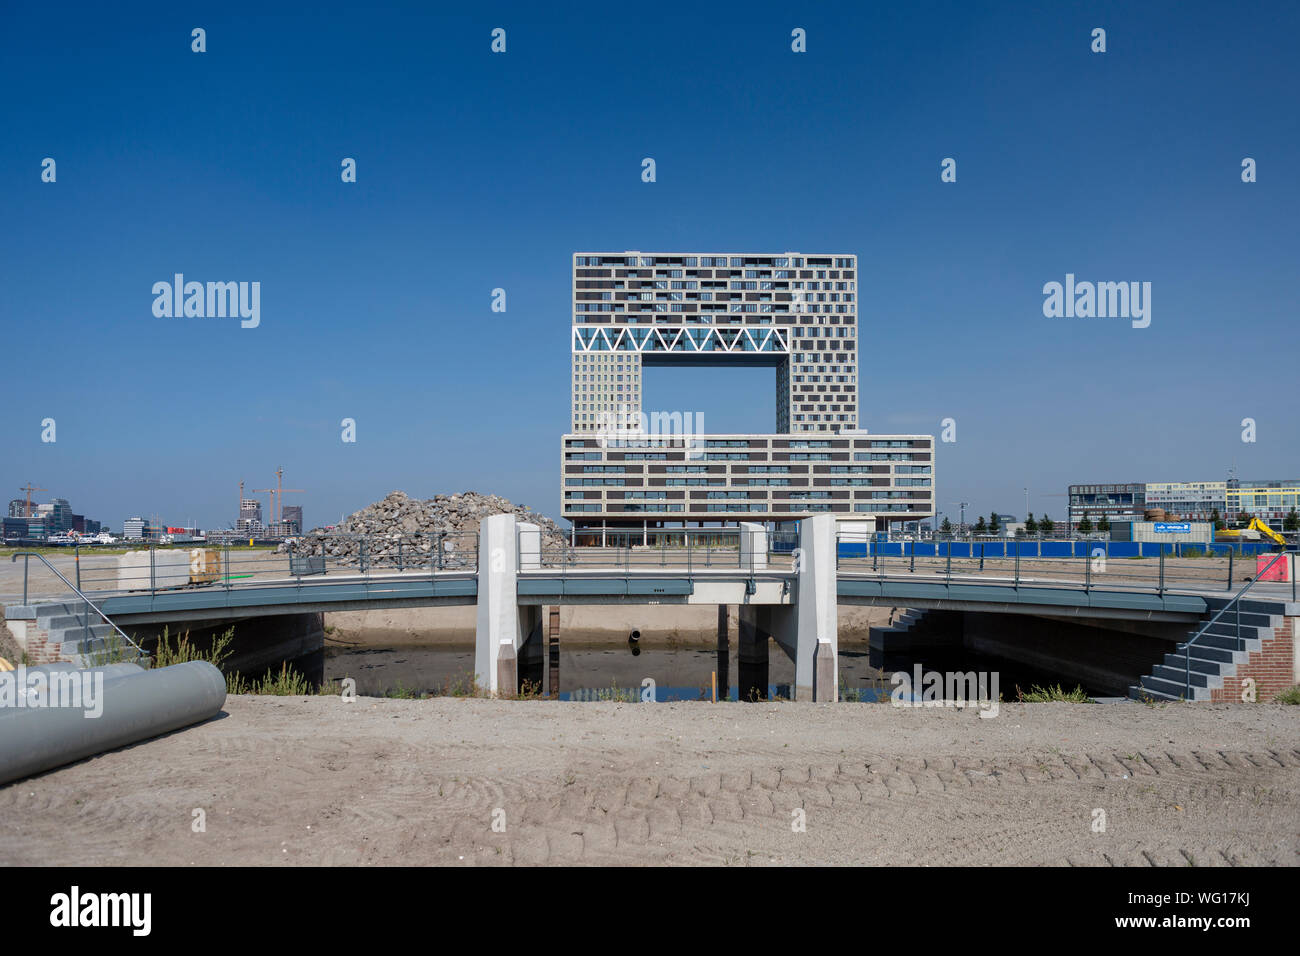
x=27, y=555
x=230, y=566
x=323, y=557
x=1234, y=602
x=1157, y=574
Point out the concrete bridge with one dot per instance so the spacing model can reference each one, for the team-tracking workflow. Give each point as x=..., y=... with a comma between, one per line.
x=1112, y=630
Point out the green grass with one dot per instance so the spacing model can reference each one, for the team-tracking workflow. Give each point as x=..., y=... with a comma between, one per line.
x=402, y=692
x=1050, y=694
x=1289, y=696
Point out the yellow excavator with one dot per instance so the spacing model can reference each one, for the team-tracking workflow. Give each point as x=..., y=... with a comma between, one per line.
x=1251, y=532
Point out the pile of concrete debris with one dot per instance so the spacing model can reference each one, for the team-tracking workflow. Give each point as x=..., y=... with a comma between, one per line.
x=404, y=532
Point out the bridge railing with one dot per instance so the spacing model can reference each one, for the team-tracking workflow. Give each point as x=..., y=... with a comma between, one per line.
x=1077, y=569
x=301, y=561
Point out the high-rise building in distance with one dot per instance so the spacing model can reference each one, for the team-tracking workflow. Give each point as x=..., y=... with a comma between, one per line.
x=631, y=473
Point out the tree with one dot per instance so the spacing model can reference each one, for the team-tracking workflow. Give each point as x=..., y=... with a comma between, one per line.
x=1217, y=519
x=1085, y=524
x=994, y=525
x=1020, y=532
x=1046, y=525
x=1292, y=521
x=981, y=527
x=1103, y=524
x=1243, y=519
x=1031, y=526
x=946, y=527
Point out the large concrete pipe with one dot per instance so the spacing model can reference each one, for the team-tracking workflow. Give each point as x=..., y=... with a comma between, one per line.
x=21, y=682
x=110, y=671
x=131, y=708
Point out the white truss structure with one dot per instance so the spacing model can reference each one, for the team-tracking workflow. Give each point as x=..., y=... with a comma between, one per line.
x=680, y=339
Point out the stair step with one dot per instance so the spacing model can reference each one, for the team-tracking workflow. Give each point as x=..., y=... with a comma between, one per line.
x=1174, y=690
x=1178, y=675
x=1201, y=664
x=45, y=612
x=1227, y=643
x=1229, y=621
x=68, y=620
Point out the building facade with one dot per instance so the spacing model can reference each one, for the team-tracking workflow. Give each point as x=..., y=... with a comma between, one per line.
x=138, y=529
x=250, y=517
x=1190, y=500
x=630, y=474
x=1122, y=501
x=291, y=519
x=1270, y=501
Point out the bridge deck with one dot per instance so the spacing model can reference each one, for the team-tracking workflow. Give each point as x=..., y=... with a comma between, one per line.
x=1031, y=594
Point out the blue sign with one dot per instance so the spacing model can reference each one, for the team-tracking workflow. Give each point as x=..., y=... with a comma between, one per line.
x=1173, y=527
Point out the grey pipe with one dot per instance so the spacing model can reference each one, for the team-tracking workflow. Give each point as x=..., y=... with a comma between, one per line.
x=134, y=707
x=110, y=672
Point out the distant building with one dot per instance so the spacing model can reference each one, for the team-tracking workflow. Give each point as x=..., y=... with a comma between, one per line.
x=250, y=517
x=1123, y=501
x=14, y=528
x=1193, y=500
x=291, y=519
x=1270, y=501
x=138, y=529
x=18, y=508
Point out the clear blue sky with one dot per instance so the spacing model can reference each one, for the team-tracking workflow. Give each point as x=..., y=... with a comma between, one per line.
x=478, y=171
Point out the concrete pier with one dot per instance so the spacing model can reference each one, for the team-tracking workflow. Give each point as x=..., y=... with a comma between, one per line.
x=502, y=622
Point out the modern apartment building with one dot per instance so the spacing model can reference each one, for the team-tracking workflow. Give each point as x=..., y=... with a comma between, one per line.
x=1192, y=500
x=631, y=474
x=1122, y=501
x=1269, y=501
x=1189, y=500
x=795, y=313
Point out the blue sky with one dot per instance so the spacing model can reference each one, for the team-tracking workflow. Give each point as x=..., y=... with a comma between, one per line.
x=479, y=170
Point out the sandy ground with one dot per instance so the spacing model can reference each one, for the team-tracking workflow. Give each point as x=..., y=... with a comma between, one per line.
x=286, y=781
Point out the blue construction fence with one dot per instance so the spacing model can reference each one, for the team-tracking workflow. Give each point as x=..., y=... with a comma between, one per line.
x=1044, y=549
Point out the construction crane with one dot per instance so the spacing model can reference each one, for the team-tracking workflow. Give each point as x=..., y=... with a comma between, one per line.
x=277, y=494
x=29, y=488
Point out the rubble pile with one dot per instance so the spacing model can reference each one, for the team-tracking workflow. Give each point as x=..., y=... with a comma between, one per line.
x=401, y=531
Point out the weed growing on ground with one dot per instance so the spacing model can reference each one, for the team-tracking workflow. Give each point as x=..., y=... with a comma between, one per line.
x=1049, y=694
x=1289, y=696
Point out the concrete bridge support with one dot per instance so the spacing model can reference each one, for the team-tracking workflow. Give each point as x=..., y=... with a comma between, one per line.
x=814, y=630
x=503, y=626
x=807, y=629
